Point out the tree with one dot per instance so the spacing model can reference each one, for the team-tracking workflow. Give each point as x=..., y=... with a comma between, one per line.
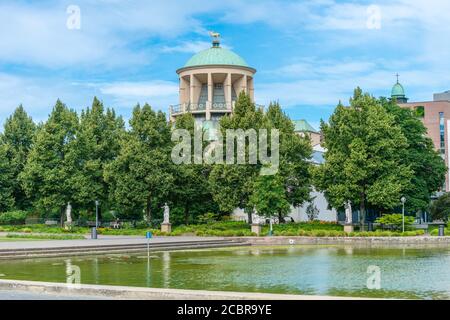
x=363, y=158
x=18, y=133
x=141, y=175
x=295, y=152
x=97, y=144
x=48, y=176
x=190, y=179
x=312, y=212
x=6, y=180
x=269, y=196
x=440, y=209
x=420, y=155
x=231, y=185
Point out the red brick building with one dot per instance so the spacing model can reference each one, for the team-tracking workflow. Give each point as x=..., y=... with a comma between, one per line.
x=436, y=118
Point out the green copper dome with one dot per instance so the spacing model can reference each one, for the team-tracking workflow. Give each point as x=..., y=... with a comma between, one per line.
x=216, y=56
x=397, y=90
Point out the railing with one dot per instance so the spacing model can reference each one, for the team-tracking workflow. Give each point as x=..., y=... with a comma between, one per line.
x=189, y=107
x=177, y=108
x=221, y=106
x=196, y=106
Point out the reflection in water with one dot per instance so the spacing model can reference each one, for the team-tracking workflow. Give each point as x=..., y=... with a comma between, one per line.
x=166, y=268
x=325, y=270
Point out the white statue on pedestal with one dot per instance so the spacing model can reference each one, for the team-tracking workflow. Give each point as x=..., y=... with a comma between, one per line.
x=166, y=213
x=348, y=212
x=255, y=219
x=69, y=213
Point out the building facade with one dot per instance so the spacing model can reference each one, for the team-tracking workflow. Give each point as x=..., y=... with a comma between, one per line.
x=210, y=82
x=435, y=116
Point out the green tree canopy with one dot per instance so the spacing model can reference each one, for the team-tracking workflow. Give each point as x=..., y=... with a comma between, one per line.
x=269, y=196
x=363, y=158
x=420, y=155
x=51, y=167
x=6, y=180
x=190, y=189
x=440, y=209
x=97, y=144
x=295, y=153
x=18, y=133
x=231, y=185
x=141, y=175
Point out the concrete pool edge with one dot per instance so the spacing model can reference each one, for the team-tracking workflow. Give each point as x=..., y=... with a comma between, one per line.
x=369, y=241
x=141, y=293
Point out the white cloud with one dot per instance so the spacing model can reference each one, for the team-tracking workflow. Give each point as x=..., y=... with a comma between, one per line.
x=188, y=47
x=36, y=34
x=140, y=89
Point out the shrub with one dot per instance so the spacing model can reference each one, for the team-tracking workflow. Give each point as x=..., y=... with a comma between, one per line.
x=13, y=217
x=395, y=220
x=208, y=218
x=141, y=224
x=440, y=209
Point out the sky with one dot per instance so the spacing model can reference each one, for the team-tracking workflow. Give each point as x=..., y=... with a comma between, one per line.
x=309, y=55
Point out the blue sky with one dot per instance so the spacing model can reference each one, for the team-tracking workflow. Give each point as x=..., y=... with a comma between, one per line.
x=309, y=54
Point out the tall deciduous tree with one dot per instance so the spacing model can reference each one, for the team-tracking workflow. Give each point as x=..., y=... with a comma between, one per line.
x=190, y=179
x=18, y=133
x=6, y=179
x=231, y=185
x=295, y=152
x=363, y=158
x=141, y=175
x=51, y=167
x=427, y=165
x=98, y=144
x=269, y=196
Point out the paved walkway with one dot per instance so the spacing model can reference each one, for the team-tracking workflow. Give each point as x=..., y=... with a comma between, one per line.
x=25, y=295
x=101, y=241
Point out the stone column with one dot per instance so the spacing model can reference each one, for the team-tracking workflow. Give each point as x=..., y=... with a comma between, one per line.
x=228, y=91
x=244, y=84
x=251, y=90
x=210, y=96
x=191, y=89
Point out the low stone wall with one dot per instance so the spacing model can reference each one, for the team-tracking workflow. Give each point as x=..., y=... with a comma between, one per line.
x=364, y=241
x=138, y=293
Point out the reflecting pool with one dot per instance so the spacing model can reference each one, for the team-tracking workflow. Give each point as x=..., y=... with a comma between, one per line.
x=315, y=270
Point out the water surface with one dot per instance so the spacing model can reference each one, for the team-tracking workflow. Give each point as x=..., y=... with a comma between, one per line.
x=317, y=270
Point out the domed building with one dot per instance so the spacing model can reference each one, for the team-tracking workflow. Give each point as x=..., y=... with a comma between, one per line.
x=210, y=82
x=398, y=93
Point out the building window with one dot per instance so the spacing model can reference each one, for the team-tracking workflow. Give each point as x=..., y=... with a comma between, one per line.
x=442, y=132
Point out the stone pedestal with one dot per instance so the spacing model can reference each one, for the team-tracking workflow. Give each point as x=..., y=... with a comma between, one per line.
x=166, y=227
x=256, y=228
x=348, y=228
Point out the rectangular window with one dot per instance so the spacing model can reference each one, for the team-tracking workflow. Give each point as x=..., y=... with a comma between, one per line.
x=442, y=132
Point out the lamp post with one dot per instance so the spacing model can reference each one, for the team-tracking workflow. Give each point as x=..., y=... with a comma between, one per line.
x=96, y=215
x=403, y=200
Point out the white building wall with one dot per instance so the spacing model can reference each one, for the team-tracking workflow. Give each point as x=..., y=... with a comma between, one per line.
x=299, y=213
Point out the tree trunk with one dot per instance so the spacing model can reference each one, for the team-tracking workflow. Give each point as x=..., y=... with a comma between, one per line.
x=250, y=218
x=362, y=211
x=186, y=214
x=61, y=216
x=148, y=212
x=280, y=218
